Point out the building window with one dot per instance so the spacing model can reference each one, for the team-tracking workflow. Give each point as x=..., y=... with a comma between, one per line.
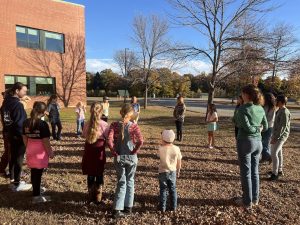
x=39, y=39
x=43, y=86
x=54, y=42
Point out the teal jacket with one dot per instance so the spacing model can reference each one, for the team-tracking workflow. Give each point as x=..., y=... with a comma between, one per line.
x=249, y=119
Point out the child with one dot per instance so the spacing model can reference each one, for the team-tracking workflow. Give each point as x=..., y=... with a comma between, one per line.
x=36, y=137
x=170, y=162
x=80, y=111
x=124, y=141
x=240, y=102
x=179, y=114
x=281, y=131
x=212, y=119
x=105, y=106
x=95, y=131
x=136, y=108
x=54, y=117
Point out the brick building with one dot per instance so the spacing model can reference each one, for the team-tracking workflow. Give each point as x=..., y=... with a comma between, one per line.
x=34, y=35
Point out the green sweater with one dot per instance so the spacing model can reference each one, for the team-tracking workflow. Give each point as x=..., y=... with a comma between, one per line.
x=249, y=118
x=281, y=129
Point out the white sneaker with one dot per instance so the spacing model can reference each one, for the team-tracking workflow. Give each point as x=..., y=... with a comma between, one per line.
x=40, y=199
x=43, y=190
x=23, y=187
x=210, y=147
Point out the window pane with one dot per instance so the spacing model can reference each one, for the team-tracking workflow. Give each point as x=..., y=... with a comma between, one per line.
x=44, y=86
x=9, y=80
x=33, y=38
x=21, y=37
x=22, y=80
x=54, y=42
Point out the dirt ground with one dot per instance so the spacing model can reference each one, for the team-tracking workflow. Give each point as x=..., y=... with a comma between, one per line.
x=209, y=180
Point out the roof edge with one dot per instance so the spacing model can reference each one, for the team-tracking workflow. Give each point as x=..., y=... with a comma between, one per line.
x=67, y=2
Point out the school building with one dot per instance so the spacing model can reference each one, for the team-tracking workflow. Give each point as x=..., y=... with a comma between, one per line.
x=33, y=39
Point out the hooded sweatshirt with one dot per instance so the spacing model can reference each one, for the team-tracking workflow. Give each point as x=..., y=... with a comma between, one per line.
x=13, y=116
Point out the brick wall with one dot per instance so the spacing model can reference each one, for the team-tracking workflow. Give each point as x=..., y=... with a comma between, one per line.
x=47, y=15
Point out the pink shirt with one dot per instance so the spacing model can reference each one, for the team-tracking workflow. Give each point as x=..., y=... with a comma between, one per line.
x=102, y=131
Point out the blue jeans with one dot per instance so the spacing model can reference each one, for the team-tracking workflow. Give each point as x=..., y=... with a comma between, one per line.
x=266, y=138
x=167, y=182
x=125, y=167
x=80, y=125
x=249, y=151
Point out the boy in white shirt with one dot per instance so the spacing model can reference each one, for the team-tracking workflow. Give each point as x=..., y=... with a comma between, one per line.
x=170, y=163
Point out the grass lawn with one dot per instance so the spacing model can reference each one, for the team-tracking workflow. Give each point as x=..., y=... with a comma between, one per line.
x=208, y=182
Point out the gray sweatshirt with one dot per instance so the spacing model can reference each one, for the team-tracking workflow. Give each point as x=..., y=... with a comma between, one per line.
x=281, y=129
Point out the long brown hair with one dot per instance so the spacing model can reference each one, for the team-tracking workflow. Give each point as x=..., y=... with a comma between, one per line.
x=37, y=112
x=52, y=97
x=95, y=119
x=126, y=108
x=254, y=94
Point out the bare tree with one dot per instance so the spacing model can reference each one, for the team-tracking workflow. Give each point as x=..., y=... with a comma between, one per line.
x=126, y=60
x=215, y=20
x=69, y=67
x=281, y=46
x=150, y=35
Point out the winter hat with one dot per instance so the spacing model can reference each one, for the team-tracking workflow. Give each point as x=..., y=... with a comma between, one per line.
x=168, y=136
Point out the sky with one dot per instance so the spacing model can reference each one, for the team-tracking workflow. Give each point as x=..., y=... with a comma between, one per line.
x=109, y=28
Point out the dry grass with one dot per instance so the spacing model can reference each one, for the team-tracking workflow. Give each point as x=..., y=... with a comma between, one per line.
x=209, y=180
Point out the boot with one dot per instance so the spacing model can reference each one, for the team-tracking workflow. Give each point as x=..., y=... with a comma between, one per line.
x=91, y=194
x=127, y=210
x=98, y=194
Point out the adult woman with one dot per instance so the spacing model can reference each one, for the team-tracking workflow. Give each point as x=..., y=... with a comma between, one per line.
x=251, y=120
x=270, y=110
x=178, y=114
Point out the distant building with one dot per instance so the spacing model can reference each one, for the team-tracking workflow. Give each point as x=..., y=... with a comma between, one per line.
x=28, y=26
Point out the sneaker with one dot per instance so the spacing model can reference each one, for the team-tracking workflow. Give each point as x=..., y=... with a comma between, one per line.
x=210, y=147
x=43, y=190
x=118, y=214
x=127, y=210
x=240, y=202
x=255, y=203
x=40, y=199
x=273, y=177
x=23, y=187
x=280, y=173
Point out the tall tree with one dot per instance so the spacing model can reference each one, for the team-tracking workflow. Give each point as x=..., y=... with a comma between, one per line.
x=150, y=35
x=215, y=20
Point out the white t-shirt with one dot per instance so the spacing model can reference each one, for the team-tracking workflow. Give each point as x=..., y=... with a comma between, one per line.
x=168, y=158
x=212, y=117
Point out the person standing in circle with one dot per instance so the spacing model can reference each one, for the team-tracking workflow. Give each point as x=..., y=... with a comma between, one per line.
x=251, y=121
x=54, y=117
x=14, y=116
x=270, y=110
x=212, y=119
x=280, y=135
x=105, y=106
x=136, y=108
x=179, y=114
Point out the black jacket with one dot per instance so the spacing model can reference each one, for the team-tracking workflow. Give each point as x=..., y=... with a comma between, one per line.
x=13, y=116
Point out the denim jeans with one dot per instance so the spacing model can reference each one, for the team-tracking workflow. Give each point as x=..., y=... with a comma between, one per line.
x=54, y=124
x=266, y=138
x=249, y=151
x=80, y=125
x=277, y=156
x=167, y=183
x=125, y=167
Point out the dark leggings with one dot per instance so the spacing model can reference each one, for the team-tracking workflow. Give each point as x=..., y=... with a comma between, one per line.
x=56, y=135
x=36, y=178
x=179, y=125
x=17, y=149
x=95, y=180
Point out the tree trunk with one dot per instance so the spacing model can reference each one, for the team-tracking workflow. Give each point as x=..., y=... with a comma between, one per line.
x=210, y=100
x=146, y=97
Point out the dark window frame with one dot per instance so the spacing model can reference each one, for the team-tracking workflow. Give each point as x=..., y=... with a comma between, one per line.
x=42, y=39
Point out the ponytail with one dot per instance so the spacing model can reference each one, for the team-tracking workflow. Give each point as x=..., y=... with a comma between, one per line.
x=95, y=119
x=126, y=108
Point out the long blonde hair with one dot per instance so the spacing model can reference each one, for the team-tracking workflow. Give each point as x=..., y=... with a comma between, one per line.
x=94, y=126
x=126, y=108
